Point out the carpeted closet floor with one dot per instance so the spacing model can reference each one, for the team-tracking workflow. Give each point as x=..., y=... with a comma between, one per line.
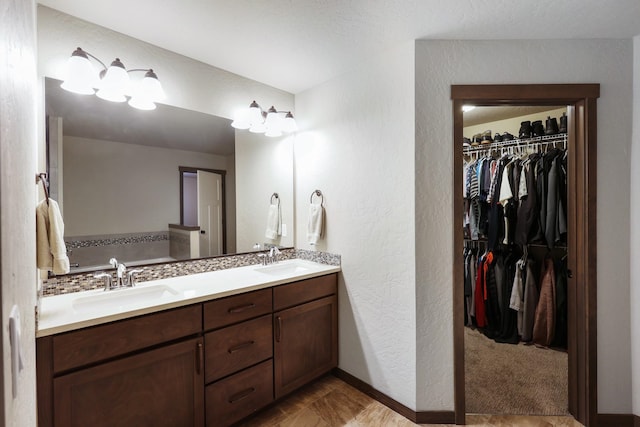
x=513, y=379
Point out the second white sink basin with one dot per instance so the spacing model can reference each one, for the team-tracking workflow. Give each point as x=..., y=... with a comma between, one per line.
x=284, y=268
x=118, y=299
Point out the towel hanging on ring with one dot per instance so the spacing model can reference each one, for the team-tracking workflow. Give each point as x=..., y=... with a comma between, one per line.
x=274, y=218
x=315, y=226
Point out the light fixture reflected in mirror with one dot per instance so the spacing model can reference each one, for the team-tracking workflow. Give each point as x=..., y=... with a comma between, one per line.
x=271, y=122
x=113, y=82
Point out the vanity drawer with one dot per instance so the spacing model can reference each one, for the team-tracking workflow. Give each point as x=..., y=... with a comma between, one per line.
x=303, y=291
x=85, y=346
x=233, y=348
x=226, y=311
x=231, y=399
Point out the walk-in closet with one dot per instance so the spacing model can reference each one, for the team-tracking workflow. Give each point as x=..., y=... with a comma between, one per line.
x=514, y=175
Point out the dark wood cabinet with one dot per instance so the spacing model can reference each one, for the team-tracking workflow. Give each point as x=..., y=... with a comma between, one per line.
x=161, y=387
x=215, y=362
x=305, y=343
x=238, y=396
x=236, y=347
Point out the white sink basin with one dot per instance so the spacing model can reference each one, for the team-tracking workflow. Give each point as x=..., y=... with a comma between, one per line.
x=284, y=268
x=119, y=299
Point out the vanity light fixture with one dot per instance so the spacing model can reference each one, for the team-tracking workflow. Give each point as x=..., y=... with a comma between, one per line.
x=271, y=122
x=113, y=82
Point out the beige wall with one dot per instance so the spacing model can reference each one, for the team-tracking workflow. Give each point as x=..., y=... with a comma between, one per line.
x=356, y=145
x=114, y=187
x=635, y=232
x=263, y=166
x=18, y=124
x=188, y=83
x=557, y=61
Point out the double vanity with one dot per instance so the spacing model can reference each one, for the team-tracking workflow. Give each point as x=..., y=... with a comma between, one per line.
x=203, y=349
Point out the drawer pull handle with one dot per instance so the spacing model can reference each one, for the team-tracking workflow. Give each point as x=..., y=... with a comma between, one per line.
x=241, y=308
x=240, y=346
x=199, y=358
x=241, y=395
x=278, y=328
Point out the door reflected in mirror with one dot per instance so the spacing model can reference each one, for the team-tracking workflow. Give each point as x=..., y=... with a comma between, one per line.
x=121, y=177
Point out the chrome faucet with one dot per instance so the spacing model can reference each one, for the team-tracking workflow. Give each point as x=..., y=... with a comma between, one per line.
x=124, y=278
x=131, y=277
x=273, y=254
x=271, y=257
x=108, y=280
x=121, y=279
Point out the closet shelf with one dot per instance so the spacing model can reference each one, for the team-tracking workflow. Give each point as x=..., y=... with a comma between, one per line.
x=561, y=137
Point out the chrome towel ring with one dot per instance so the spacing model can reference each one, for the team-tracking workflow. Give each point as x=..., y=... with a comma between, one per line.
x=317, y=193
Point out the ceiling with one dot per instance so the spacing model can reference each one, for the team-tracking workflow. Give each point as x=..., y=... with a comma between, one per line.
x=296, y=45
x=166, y=126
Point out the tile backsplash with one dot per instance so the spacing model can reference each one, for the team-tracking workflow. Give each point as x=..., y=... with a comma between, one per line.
x=85, y=281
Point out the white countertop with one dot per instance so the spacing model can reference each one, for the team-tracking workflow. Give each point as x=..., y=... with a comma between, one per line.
x=62, y=313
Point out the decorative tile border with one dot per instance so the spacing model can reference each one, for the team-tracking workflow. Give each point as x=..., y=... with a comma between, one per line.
x=76, y=242
x=85, y=281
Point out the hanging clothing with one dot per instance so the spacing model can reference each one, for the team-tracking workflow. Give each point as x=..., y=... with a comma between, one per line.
x=544, y=323
x=560, y=335
x=526, y=317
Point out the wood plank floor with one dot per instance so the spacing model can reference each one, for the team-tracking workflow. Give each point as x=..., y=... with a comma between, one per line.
x=330, y=402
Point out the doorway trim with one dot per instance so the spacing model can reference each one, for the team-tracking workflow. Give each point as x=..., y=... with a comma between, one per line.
x=581, y=102
x=223, y=174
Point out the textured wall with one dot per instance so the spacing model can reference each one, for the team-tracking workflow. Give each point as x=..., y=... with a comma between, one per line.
x=635, y=231
x=18, y=125
x=356, y=146
x=440, y=64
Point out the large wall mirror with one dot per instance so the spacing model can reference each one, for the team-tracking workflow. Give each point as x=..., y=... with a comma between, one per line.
x=162, y=185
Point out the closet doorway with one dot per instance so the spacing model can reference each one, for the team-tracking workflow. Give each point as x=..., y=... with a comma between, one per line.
x=580, y=102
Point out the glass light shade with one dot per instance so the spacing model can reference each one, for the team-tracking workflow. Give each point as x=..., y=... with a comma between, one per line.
x=115, y=83
x=240, y=123
x=142, y=103
x=289, y=123
x=258, y=128
x=273, y=132
x=150, y=87
x=81, y=76
x=255, y=113
x=272, y=122
x=241, y=119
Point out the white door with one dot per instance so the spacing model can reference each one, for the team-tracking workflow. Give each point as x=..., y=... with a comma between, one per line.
x=210, y=213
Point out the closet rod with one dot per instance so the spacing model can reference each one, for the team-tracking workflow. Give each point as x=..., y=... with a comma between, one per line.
x=546, y=139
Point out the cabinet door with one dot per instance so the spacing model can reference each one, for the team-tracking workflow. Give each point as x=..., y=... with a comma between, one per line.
x=305, y=343
x=161, y=387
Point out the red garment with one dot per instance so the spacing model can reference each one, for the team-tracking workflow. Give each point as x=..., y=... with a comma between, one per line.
x=479, y=295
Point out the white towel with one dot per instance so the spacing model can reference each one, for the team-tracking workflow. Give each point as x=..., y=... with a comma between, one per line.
x=316, y=223
x=51, y=252
x=273, y=222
